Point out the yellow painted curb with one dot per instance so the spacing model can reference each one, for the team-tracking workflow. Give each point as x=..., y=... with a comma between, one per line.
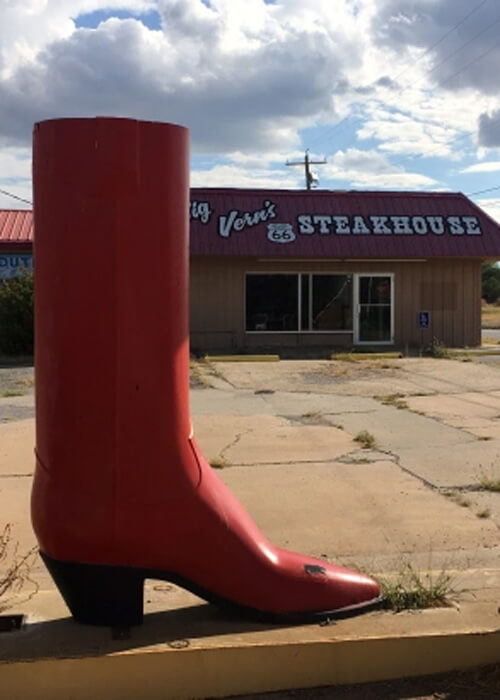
x=355, y=356
x=218, y=672
x=242, y=358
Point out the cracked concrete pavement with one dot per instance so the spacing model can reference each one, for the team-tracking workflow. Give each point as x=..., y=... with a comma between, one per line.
x=286, y=431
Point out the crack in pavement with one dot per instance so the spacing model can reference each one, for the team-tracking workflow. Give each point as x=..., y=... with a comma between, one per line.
x=234, y=442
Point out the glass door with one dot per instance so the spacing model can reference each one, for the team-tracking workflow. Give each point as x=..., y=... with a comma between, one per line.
x=374, y=309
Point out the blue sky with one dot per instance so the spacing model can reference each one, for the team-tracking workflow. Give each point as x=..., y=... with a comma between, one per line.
x=394, y=94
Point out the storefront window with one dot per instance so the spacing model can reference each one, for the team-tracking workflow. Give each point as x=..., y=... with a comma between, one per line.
x=332, y=302
x=274, y=302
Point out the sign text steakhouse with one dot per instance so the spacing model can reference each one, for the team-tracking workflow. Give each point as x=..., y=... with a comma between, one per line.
x=325, y=224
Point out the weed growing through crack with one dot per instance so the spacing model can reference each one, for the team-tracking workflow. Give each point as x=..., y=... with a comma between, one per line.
x=7, y=393
x=366, y=440
x=16, y=575
x=396, y=400
x=198, y=377
x=313, y=415
x=487, y=483
x=219, y=463
x=412, y=590
x=212, y=369
x=458, y=498
x=484, y=513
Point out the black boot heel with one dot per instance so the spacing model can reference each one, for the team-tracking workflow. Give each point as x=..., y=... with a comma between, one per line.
x=97, y=594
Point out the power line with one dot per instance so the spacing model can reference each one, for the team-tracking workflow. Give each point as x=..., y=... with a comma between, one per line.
x=410, y=65
x=460, y=48
x=474, y=60
x=445, y=36
x=14, y=196
x=450, y=77
x=490, y=189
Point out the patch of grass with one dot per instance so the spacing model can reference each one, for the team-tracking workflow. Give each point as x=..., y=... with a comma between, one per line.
x=314, y=417
x=396, y=400
x=490, y=316
x=412, y=590
x=439, y=350
x=458, y=498
x=313, y=414
x=485, y=513
x=487, y=483
x=219, y=463
x=198, y=375
x=7, y=393
x=366, y=440
x=212, y=369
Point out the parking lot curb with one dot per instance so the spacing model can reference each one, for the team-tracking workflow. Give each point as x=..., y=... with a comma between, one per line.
x=185, y=674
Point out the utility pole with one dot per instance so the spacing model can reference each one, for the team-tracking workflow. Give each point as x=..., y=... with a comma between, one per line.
x=306, y=163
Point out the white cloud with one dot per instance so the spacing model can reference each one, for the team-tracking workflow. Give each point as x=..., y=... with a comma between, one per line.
x=15, y=163
x=247, y=75
x=28, y=26
x=468, y=49
x=490, y=166
x=372, y=169
x=491, y=206
x=239, y=74
x=237, y=176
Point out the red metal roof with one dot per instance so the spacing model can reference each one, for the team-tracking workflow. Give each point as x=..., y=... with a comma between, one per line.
x=321, y=223
x=16, y=227
x=340, y=224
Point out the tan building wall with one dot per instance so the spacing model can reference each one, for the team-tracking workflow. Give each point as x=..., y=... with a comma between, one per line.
x=450, y=289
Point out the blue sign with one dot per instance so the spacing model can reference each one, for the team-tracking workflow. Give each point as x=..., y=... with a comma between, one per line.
x=10, y=264
x=424, y=319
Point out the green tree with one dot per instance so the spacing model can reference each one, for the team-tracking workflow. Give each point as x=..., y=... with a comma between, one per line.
x=16, y=314
x=491, y=282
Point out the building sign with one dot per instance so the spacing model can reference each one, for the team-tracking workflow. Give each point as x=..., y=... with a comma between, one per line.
x=236, y=221
x=11, y=264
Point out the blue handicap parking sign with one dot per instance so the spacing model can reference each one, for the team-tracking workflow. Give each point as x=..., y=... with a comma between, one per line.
x=424, y=319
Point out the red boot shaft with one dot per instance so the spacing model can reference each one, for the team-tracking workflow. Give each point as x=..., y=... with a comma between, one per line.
x=118, y=481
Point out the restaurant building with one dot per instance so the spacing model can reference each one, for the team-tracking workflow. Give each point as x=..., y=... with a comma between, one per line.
x=336, y=269
x=305, y=271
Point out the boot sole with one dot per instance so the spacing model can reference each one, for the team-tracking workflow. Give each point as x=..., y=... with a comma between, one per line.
x=97, y=594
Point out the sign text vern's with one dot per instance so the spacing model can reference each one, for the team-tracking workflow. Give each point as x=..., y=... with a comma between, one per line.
x=236, y=221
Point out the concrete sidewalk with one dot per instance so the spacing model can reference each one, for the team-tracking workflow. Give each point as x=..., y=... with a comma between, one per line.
x=286, y=433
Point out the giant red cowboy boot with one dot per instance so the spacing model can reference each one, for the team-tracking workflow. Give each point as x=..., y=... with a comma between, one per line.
x=121, y=491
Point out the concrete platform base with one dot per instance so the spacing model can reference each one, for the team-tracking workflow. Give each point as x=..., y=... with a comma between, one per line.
x=190, y=650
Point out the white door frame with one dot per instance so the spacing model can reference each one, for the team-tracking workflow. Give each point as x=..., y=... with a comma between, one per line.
x=356, y=307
